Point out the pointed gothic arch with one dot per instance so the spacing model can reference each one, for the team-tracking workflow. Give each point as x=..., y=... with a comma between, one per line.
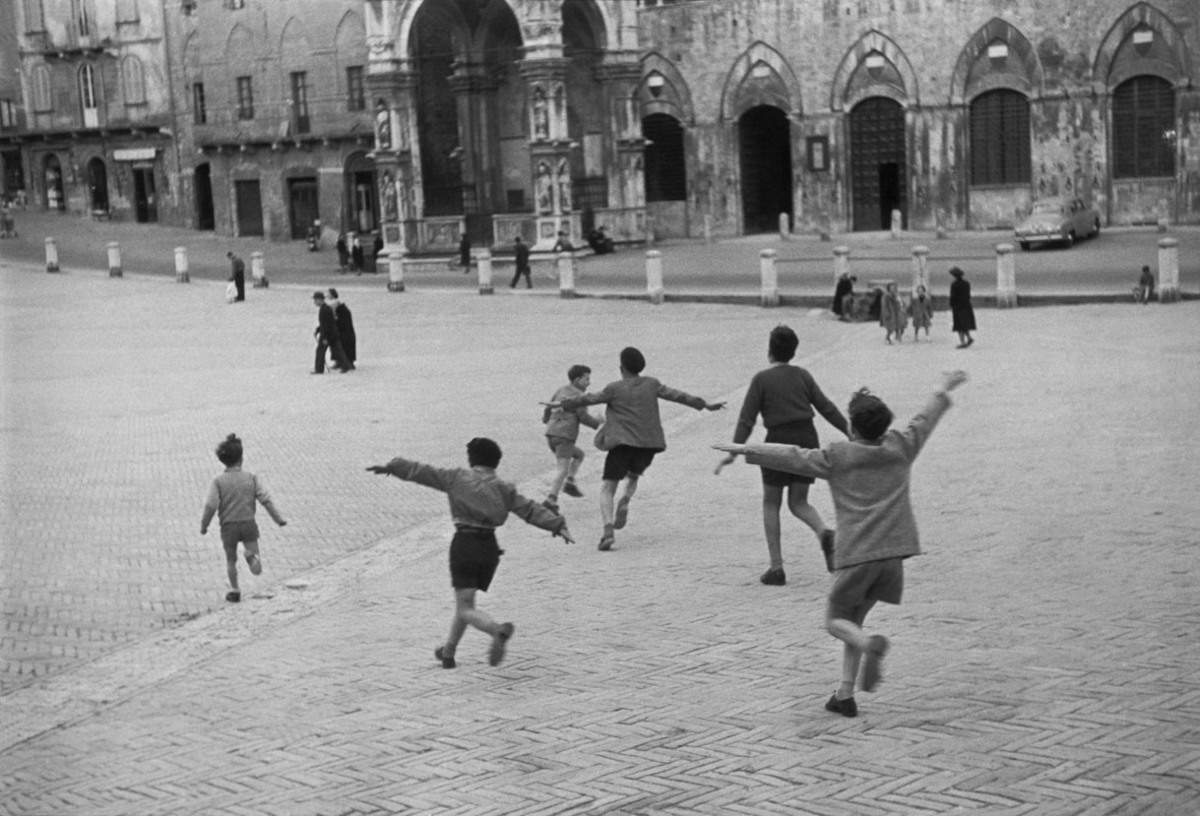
x=977, y=71
x=1119, y=58
x=760, y=76
x=853, y=81
x=672, y=95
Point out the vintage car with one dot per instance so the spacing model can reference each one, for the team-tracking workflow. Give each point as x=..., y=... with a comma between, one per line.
x=1058, y=221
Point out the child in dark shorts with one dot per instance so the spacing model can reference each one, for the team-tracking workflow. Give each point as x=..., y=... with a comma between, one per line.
x=869, y=480
x=479, y=503
x=232, y=498
x=787, y=397
x=632, y=433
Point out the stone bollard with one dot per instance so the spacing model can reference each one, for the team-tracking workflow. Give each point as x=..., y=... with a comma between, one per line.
x=181, y=266
x=51, y=255
x=1006, y=277
x=920, y=267
x=114, y=260
x=566, y=274
x=897, y=223
x=770, y=277
x=1168, y=270
x=841, y=262
x=483, y=263
x=395, y=259
x=654, y=276
x=258, y=270
x=785, y=227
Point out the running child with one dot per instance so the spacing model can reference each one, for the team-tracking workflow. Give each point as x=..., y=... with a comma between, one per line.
x=869, y=480
x=232, y=497
x=562, y=430
x=479, y=503
x=632, y=433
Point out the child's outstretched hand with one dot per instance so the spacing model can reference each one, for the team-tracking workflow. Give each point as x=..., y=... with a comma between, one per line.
x=732, y=448
x=713, y=406
x=382, y=470
x=728, y=460
x=953, y=379
x=566, y=534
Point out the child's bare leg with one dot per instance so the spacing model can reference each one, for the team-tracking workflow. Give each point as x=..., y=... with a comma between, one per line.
x=801, y=509
x=772, y=500
x=573, y=464
x=560, y=476
x=253, y=560
x=465, y=614
x=608, y=492
x=231, y=569
x=856, y=641
x=631, y=485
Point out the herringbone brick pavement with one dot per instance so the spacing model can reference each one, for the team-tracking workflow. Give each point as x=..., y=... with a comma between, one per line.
x=1043, y=659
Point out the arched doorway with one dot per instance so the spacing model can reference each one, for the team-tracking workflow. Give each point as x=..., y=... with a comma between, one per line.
x=361, y=200
x=97, y=185
x=52, y=173
x=878, y=174
x=764, y=141
x=205, y=218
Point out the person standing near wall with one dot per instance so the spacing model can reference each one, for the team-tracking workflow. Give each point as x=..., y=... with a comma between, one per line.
x=237, y=274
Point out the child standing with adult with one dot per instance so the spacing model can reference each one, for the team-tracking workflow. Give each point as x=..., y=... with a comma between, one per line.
x=921, y=311
x=869, y=479
x=232, y=497
x=480, y=502
x=632, y=433
x=962, y=314
x=788, y=398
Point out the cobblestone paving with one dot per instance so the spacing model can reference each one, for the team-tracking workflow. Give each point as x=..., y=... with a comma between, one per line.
x=1043, y=659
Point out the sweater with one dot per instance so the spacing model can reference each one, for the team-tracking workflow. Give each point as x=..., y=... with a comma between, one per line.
x=784, y=394
x=231, y=497
x=632, y=416
x=869, y=482
x=562, y=423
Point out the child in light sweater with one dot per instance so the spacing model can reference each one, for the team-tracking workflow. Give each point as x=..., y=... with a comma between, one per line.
x=869, y=480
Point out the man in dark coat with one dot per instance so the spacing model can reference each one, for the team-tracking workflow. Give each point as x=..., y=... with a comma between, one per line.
x=328, y=338
x=845, y=286
x=237, y=274
x=522, y=260
x=356, y=254
x=345, y=326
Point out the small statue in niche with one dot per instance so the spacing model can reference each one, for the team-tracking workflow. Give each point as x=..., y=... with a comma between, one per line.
x=383, y=127
x=564, y=186
x=541, y=114
x=544, y=191
x=387, y=190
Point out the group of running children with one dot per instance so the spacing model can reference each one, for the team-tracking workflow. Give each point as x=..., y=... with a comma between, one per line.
x=868, y=475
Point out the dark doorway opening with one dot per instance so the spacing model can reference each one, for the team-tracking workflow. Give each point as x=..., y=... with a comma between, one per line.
x=878, y=174
x=97, y=186
x=55, y=199
x=145, y=205
x=249, y=207
x=302, y=205
x=766, y=160
x=205, y=218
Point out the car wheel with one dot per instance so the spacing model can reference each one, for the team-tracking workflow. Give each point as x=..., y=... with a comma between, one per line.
x=1024, y=246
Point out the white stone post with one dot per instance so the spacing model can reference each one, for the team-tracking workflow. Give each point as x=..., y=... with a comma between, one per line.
x=181, y=266
x=770, y=277
x=1006, y=276
x=654, y=276
x=51, y=255
x=566, y=274
x=920, y=267
x=897, y=223
x=1168, y=270
x=395, y=258
x=258, y=270
x=841, y=262
x=785, y=227
x=114, y=260
x=483, y=263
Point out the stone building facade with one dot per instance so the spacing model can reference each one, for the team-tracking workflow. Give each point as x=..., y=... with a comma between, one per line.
x=94, y=124
x=955, y=113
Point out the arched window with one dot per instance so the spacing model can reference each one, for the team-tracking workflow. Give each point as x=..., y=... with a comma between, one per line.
x=133, y=81
x=666, y=166
x=87, y=95
x=1000, y=138
x=1143, y=128
x=41, y=89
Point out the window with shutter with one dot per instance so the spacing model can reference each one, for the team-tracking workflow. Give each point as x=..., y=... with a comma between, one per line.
x=1000, y=149
x=1143, y=122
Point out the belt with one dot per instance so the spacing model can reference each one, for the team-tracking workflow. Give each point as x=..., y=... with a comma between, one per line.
x=471, y=528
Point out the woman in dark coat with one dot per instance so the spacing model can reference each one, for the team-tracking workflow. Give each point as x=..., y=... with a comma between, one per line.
x=845, y=286
x=345, y=326
x=960, y=308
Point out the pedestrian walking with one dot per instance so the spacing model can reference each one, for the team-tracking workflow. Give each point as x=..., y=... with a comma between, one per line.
x=962, y=314
x=521, y=250
x=1145, y=287
x=356, y=255
x=345, y=325
x=788, y=398
x=231, y=498
x=479, y=503
x=328, y=338
x=921, y=311
x=237, y=274
x=562, y=431
x=632, y=433
x=869, y=479
x=891, y=314
x=343, y=253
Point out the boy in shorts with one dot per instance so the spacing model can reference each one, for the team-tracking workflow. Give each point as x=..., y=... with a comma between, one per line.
x=633, y=433
x=869, y=480
x=479, y=503
x=231, y=497
x=562, y=429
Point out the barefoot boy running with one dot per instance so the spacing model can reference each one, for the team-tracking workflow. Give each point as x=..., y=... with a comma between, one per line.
x=869, y=480
x=479, y=503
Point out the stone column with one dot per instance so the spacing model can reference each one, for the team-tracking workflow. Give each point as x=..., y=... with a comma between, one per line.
x=396, y=153
x=1006, y=276
x=550, y=151
x=770, y=277
x=114, y=260
x=1168, y=270
x=654, y=276
x=626, y=171
x=477, y=134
